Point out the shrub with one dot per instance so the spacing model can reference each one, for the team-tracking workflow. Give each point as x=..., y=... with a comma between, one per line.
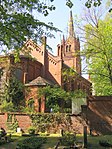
x=7, y=106
x=68, y=139
x=31, y=143
x=105, y=143
x=31, y=130
x=12, y=126
x=43, y=122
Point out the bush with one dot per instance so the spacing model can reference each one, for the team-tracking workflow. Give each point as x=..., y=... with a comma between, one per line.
x=105, y=143
x=44, y=122
x=68, y=139
x=31, y=130
x=31, y=143
x=12, y=126
x=7, y=106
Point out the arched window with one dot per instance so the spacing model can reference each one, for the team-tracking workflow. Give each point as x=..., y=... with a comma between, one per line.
x=67, y=48
x=58, y=50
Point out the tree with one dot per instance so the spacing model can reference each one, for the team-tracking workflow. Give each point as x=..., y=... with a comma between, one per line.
x=98, y=51
x=17, y=22
x=13, y=97
x=14, y=92
x=59, y=100
x=88, y=3
x=56, y=98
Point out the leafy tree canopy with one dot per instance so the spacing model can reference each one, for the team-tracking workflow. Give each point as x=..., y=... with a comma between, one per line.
x=17, y=22
x=14, y=91
x=57, y=98
x=98, y=51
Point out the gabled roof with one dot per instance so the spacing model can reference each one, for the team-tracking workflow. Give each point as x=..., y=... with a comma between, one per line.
x=39, y=81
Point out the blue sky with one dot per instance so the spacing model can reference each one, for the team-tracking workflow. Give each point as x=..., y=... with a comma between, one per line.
x=60, y=18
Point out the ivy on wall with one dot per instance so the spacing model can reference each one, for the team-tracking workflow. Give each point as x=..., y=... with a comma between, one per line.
x=44, y=122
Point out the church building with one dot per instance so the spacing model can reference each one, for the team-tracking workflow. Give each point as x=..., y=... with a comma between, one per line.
x=46, y=69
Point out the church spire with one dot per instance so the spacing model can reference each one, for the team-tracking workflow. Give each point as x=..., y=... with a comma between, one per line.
x=71, y=26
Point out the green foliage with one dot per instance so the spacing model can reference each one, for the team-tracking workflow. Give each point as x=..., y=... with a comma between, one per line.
x=55, y=96
x=55, y=108
x=30, y=106
x=69, y=3
x=105, y=143
x=18, y=22
x=7, y=106
x=12, y=126
x=98, y=51
x=95, y=3
x=69, y=75
x=68, y=139
x=58, y=100
x=44, y=122
x=31, y=130
x=14, y=91
x=78, y=94
x=28, y=110
x=31, y=143
x=88, y=3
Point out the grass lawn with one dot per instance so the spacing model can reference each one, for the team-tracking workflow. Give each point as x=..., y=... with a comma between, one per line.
x=12, y=144
x=93, y=142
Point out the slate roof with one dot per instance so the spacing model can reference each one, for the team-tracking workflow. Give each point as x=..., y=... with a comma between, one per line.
x=39, y=81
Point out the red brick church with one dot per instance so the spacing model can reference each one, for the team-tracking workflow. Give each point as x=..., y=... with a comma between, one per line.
x=46, y=69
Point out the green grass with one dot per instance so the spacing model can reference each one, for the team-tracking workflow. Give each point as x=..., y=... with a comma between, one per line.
x=51, y=143
x=93, y=141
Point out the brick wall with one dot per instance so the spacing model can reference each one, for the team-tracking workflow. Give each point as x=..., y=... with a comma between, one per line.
x=24, y=121
x=31, y=93
x=3, y=120
x=99, y=114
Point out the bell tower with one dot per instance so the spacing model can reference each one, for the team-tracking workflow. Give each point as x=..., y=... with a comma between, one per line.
x=69, y=48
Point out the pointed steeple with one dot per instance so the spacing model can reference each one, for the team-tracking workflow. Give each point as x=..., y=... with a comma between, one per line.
x=63, y=40
x=71, y=26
